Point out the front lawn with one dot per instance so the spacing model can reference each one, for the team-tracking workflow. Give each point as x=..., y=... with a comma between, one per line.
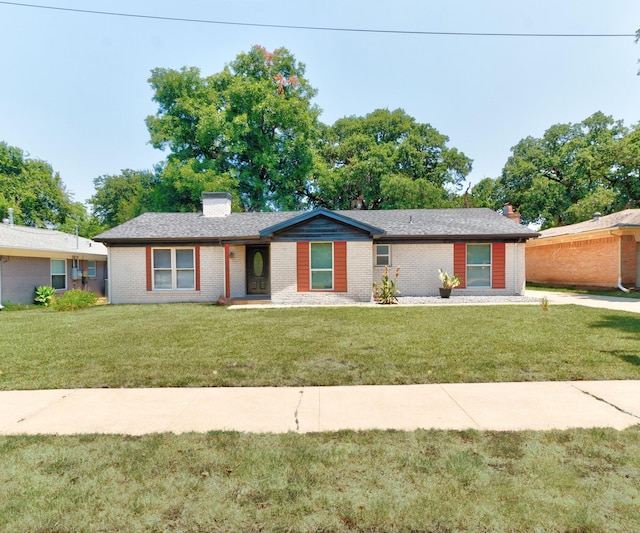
x=183, y=345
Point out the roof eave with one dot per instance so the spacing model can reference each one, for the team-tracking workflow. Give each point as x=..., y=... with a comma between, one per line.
x=488, y=237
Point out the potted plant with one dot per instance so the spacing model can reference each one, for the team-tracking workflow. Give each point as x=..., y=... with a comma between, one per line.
x=448, y=283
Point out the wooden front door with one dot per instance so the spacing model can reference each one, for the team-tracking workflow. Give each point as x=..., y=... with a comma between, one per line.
x=258, y=269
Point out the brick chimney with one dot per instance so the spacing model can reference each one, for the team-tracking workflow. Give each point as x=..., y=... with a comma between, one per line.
x=216, y=204
x=508, y=212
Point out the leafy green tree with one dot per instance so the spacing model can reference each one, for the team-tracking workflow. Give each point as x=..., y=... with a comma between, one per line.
x=179, y=186
x=386, y=160
x=486, y=193
x=573, y=168
x=252, y=125
x=31, y=187
x=87, y=225
x=121, y=197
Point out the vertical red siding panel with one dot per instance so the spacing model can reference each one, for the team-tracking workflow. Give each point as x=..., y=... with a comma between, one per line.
x=197, y=266
x=149, y=273
x=460, y=262
x=340, y=266
x=498, y=273
x=302, y=266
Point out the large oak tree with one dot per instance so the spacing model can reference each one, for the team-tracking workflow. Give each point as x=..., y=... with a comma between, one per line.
x=248, y=129
x=387, y=160
x=572, y=171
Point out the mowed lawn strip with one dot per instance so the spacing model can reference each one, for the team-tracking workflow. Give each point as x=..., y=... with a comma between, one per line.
x=192, y=345
x=439, y=481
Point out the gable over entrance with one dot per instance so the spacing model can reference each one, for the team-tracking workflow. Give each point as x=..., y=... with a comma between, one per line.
x=321, y=224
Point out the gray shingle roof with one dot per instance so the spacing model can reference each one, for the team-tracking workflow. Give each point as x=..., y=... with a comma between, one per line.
x=405, y=223
x=25, y=238
x=621, y=219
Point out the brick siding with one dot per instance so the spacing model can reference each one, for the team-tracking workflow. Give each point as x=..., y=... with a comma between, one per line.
x=588, y=261
x=128, y=277
x=419, y=264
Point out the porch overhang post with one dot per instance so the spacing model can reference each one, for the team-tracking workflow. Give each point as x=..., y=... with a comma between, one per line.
x=227, y=276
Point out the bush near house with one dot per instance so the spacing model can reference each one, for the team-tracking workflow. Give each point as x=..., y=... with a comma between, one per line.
x=75, y=299
x=44, y=295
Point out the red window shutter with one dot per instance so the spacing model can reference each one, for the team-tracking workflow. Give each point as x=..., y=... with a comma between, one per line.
x=460, y=262
x=498, y=265
x=340, y=266
x=149, y=269
x=197, y=267
x=302, y=266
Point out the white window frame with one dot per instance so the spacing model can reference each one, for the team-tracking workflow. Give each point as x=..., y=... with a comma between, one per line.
x=332, y=269
x=489, y=265
x=173, y=269
x=380, y=255
x=91, y=269
x=51, y=273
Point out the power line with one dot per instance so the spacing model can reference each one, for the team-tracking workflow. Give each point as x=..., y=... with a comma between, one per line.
x=316, y=28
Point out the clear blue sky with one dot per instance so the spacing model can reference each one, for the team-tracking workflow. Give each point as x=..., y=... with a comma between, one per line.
x=74, y=90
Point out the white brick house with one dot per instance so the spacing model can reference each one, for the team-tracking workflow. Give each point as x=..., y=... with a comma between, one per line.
x=317, y=256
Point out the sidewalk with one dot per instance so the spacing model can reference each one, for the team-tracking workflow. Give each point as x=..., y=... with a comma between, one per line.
x=484, y=406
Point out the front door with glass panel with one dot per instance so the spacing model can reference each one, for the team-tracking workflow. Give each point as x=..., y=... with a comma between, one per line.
x=258, y=270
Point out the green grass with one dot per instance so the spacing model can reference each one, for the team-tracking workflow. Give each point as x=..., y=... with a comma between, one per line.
x=576, y=480
x=204, y=345
x=440, y=481
x=633, y=293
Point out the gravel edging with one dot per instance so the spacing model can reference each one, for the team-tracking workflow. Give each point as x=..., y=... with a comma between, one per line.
x=466, y=300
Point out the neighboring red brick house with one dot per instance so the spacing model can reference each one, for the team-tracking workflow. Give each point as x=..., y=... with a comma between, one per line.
x=601, y=252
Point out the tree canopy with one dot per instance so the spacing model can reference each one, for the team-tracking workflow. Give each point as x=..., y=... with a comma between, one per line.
x=570, y=172
x=250, y=128
x=386, y=160
x=121, y=197
x=32, y=189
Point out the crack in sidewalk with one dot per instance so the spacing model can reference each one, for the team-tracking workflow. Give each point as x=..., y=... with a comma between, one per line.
x=460, y=406
x=295, y=414
x=607, y=402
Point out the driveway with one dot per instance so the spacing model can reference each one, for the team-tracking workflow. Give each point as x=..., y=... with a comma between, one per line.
x=606, y=302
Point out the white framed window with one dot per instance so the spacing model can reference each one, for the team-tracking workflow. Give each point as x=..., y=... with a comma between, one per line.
x=59, y=274
x=383, y=255
x=478, y=265
x=92, y=271
x=174, y=269
x=321, y=261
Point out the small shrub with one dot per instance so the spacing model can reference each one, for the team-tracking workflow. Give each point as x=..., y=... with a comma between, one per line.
x=385, y=292
x=45, y=295
x=10, y=306
x=544, y=304
x=75, y=299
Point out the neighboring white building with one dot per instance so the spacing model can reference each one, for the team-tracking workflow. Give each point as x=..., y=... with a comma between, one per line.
x=30, y=257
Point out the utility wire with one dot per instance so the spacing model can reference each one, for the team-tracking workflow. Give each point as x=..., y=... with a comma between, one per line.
x=315, y=28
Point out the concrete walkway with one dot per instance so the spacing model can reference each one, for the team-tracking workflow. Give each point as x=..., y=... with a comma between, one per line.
x=485, y=406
